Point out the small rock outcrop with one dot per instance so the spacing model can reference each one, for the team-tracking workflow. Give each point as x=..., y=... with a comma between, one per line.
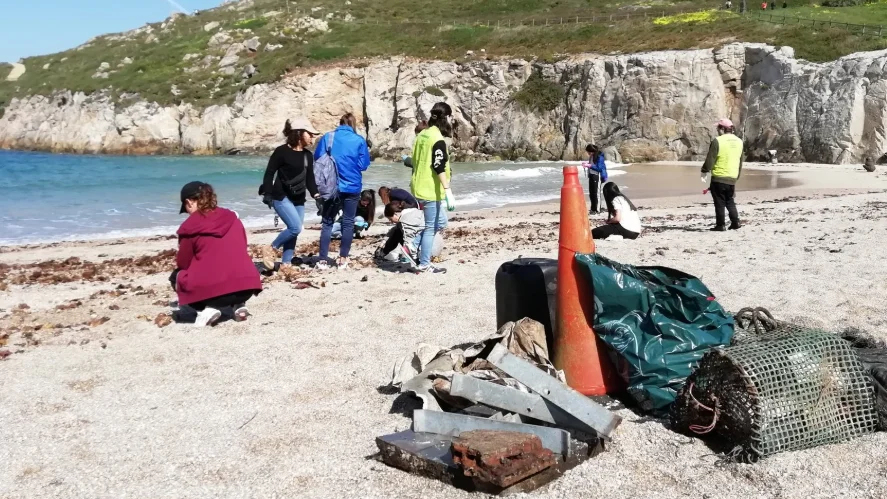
x=18, y=69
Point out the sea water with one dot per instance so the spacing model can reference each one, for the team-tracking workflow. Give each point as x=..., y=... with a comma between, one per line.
x=53, y=197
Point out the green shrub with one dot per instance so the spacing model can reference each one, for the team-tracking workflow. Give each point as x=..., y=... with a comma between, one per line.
x=844, y=3
x=435, y=91
x=251, y=23
x=326, y=53
x=539, y=94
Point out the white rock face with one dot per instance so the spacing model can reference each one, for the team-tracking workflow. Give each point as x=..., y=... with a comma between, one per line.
x=210, y=26
x=252, y=44
x=219, y=39
x=18, y=69
x=653, y=106
x=310, y=25
x=232, y=55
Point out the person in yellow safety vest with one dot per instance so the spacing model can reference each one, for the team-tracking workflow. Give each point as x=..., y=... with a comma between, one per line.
x=430, y=183
x=724, y=162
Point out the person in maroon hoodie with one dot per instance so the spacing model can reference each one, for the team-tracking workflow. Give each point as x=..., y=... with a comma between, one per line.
x=213, y=268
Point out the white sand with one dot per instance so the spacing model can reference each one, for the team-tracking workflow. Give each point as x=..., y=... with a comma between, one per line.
x=158, y=412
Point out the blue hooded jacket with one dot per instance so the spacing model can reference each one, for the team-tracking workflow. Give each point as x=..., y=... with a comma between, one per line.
x=352, y=157
x=600, y=167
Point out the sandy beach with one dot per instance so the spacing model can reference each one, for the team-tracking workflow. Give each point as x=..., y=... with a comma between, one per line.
x=99, y=401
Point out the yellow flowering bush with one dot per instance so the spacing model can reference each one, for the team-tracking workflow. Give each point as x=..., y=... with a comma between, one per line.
x=702, y=16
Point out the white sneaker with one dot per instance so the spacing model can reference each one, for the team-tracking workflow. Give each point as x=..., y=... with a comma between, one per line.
x=342, y=264
x=322, y=265
x=241, y=313
x=207, y=317
x=429, y=269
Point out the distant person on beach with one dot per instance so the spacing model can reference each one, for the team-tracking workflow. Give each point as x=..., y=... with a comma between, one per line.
x=289, y=174
x=622, y=216
x=364, y=218
x=596, y=171
x=430, y=182
x=213, y=268
x=352, y=157
x=724, y=162
x=784, y=5
x=763, y=5
x=772, y=5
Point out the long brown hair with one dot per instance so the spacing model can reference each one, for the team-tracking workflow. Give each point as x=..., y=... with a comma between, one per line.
x=206, y=199
x=369, y=196
x=349, y=120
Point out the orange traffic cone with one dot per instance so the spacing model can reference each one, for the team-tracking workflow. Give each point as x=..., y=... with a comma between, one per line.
x=577, y=350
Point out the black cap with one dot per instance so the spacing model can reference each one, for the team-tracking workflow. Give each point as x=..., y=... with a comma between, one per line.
x=190, y=191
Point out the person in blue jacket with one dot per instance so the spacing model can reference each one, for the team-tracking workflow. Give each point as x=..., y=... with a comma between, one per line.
x=596, y=170
x=352, y=156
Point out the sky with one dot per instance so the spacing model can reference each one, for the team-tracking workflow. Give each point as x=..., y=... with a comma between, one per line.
x=37, y=27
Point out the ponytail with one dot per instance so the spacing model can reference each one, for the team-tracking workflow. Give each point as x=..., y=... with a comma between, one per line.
x=206, y=199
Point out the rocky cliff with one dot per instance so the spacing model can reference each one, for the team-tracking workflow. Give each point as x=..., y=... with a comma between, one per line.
x=653, y=106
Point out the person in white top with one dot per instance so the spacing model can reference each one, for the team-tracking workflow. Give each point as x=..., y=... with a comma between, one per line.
x=622, y=216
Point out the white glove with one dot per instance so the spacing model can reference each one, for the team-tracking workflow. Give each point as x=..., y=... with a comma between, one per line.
x=451, y=200
x=705, y=178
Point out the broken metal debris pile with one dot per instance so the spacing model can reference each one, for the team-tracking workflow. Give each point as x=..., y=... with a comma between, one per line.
x=513, y=424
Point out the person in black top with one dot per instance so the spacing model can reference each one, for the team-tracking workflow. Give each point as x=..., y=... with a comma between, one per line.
x=289, y=174
x=396, y=194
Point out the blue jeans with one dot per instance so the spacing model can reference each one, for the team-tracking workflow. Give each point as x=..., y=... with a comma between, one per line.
x=359, y=222
x=348, y=204
x=435, y=221
x=292, y=216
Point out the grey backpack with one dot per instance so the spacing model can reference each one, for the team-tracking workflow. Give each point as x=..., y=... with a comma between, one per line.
x=326, y=174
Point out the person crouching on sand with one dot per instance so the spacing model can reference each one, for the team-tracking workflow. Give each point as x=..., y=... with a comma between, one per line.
x=622, y=220
x=363, y=219
x=213, y=267
x=410, y=223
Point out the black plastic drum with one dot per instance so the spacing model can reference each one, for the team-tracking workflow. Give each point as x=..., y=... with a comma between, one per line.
x=527, y=287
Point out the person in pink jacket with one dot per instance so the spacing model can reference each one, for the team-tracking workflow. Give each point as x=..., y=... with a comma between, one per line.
x=213, y=268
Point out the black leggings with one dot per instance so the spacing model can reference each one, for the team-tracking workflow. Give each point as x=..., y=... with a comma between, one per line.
x=229, y=300
x=594, y=187
x=605, y=231
x=395, y=237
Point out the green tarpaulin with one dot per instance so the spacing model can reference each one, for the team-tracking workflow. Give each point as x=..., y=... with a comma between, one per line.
x=658, y=321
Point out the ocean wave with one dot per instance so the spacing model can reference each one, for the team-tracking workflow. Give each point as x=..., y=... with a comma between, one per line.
x=509, y=173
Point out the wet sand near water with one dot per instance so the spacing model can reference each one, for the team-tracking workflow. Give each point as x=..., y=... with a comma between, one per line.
x=650, y=180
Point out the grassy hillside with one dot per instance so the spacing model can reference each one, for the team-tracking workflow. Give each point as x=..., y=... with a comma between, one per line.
x=176, y=61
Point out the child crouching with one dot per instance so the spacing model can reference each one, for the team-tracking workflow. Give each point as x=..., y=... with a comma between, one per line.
x=410, y=222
